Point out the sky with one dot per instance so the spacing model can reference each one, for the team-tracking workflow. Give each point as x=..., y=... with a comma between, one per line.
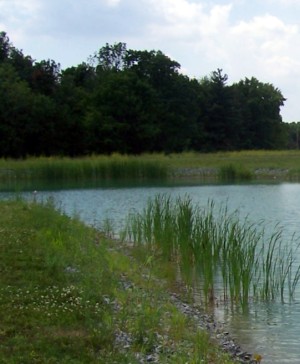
x=244, y=38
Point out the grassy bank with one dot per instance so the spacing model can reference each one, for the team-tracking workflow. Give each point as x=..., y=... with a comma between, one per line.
x=70, y=295
x=224, y=166
x=241, y=165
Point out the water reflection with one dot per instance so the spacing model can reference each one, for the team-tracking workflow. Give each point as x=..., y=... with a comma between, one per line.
x=270, y=329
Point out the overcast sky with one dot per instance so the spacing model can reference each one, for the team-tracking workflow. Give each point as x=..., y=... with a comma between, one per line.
x=259, y=38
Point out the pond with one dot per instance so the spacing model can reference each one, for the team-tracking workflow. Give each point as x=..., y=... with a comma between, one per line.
x=271, y=329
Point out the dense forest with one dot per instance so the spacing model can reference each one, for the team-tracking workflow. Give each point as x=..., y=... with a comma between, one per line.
x=131, y=101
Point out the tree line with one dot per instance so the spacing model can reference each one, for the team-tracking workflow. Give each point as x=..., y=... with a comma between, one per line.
x=131, y=101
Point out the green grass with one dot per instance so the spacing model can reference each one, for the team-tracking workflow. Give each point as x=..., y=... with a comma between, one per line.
x=234, y=173
x=69, y=295
x=215, y=246
x=244, y=165
x=224, y=166
x=88, y=168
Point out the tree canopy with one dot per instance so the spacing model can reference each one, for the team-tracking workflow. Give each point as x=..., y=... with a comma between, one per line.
x=131, y=101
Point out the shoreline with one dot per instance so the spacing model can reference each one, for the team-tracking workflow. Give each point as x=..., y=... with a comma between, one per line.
x=203, y=320
x=208, y=173
x=216, y=330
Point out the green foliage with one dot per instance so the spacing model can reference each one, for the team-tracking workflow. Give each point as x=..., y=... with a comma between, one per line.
x=132, y=102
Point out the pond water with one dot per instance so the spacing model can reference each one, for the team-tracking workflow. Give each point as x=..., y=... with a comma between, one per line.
x=271, y=329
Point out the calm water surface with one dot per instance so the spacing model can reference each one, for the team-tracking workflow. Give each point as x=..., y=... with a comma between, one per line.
x=272, y=330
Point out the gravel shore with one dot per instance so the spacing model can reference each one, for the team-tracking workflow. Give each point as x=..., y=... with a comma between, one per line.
x=216, y=330
x=213, y=173
x=204, y=321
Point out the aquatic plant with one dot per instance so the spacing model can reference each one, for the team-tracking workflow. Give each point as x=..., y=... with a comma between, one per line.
x=219, y=247
x=231, y=166
x=93, y=167
x=232, y=173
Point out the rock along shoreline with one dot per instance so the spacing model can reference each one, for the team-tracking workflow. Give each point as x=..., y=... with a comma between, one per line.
x=215, y=329
x=203, y=320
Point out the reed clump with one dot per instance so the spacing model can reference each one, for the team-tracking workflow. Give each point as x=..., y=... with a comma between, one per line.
x=89, y=168
x=223, y=166
x=224, y=253
x=234, y=173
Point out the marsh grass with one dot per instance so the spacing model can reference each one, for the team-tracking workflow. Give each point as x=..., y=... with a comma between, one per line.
x=227, y=167
x=234, y=173
x=221, y=248
x=70, y=295
x=88, y=168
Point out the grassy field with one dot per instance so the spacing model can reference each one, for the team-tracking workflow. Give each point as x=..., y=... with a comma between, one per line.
x=251, y=160
x=70, y=295
x=244, y=165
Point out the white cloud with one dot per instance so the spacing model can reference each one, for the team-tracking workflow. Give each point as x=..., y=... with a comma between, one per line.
x=268, y=44
x=18, y=16
x=176, y=10
x=264, y=44
x=187, y=23
x=244, y=38
x=113, y=2
x=19, y=9
x=264, y=26
x=193, y=16
x=284, y=2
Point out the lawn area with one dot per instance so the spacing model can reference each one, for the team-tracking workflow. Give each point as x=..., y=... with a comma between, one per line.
x=68, y=294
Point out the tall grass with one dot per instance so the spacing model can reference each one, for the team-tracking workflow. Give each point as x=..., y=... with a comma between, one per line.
x=93, y=168
x=234, y=173
x=227, y=253
x=227, y=166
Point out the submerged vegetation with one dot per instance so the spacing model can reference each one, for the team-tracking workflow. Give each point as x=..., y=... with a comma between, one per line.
x=232, y=260
x=70, y=295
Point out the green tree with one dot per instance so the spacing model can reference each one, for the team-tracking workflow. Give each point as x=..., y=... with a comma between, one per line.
x=46, y=77
x=123, y=115
x=110, y=57
x=175, y=97
x=15, y=111
x=22, y=64
x=219, y=115
x=292, y=131
x=73, y=98
x=260, y=105
x=5, y=46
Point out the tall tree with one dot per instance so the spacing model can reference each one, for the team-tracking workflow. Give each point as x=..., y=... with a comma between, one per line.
x=15, y=111
x=22, y=64
x=260, y=106
x=123, y=116
x=46, y=77
x=110, y=57
x=219, y=117
x=4, y=46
